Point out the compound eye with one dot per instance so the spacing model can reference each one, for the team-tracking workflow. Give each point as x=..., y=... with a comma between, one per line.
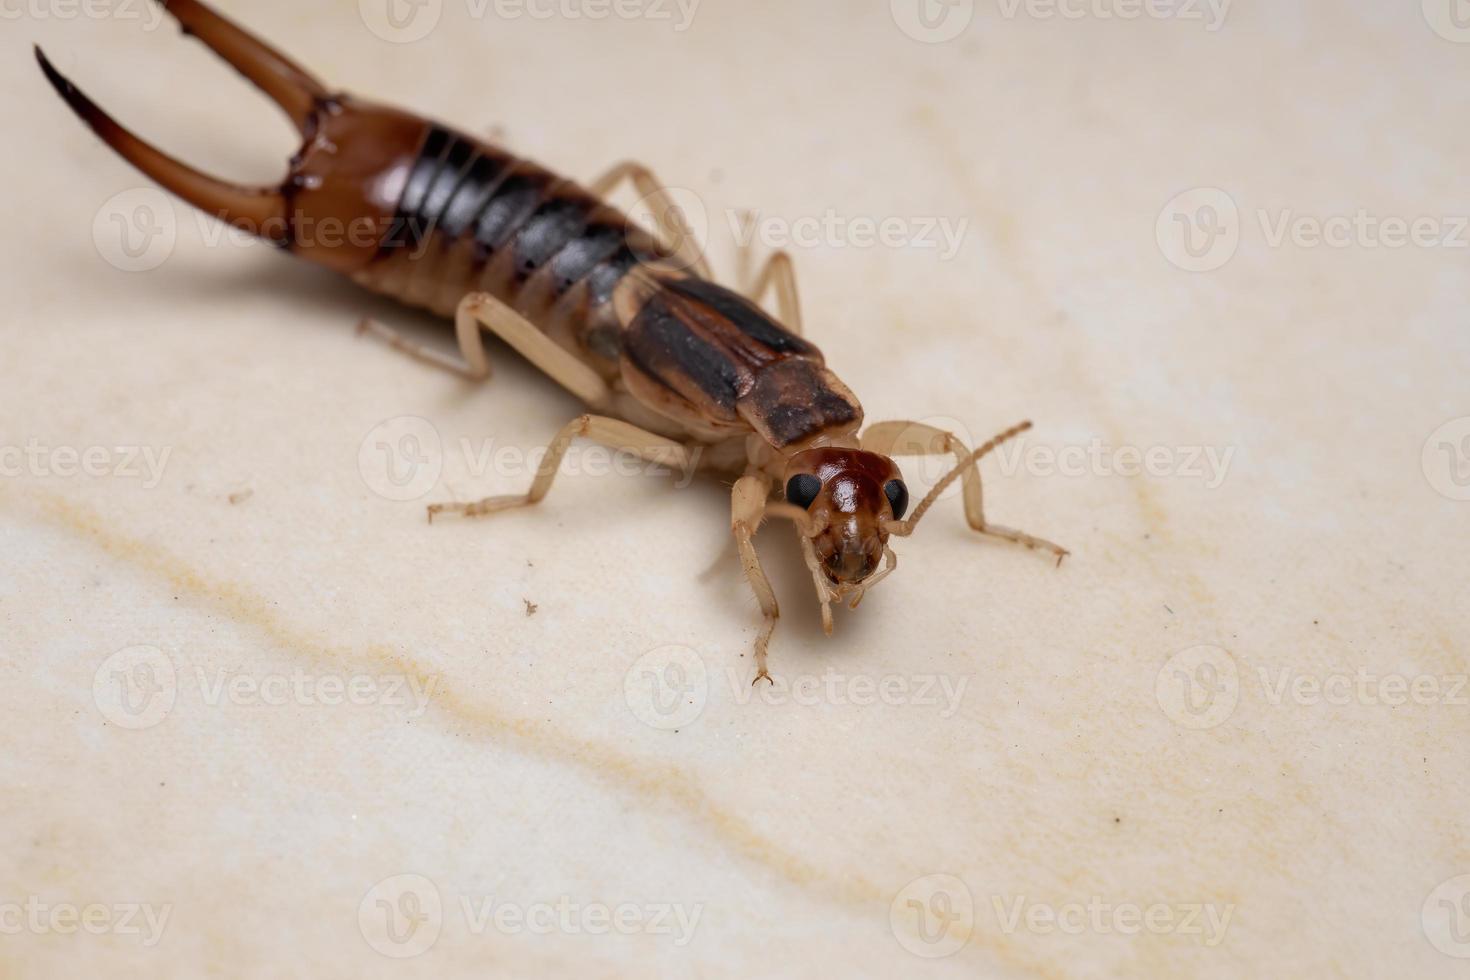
x=898, y=497
x=802, y=489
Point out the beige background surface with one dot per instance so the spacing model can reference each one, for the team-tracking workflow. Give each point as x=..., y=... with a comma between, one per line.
x=1243, y=695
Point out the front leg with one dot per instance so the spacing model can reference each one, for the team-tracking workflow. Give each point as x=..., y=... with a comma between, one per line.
x=747, y=510
x=613, y=433
x=918, y=439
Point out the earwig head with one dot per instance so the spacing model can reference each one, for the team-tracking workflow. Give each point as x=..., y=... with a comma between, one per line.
x=848, y=495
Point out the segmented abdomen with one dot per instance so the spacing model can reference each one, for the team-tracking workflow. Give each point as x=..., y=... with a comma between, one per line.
x=472, y=217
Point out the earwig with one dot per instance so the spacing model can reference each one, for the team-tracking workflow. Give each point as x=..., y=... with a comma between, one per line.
x=673, y=367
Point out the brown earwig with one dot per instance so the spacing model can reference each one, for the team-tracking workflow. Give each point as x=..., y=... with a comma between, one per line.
x=675, y=368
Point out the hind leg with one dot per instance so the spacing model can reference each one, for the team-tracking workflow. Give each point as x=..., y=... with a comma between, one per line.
x=673, y=227
x=482, y=309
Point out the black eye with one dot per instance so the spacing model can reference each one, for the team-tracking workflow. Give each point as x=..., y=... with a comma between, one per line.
x=898, y=497
x=802, y=489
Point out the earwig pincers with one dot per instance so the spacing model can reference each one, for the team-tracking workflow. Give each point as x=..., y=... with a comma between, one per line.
x=673, y=367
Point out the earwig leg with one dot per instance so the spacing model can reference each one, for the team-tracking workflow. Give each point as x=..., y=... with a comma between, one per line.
x=918, y=439
x=554, y=361
x=779, y=272
x=747, y=509
x=420, y=352
x=673, y=228
x=613, y=433
x=819, y=581
x=478, y=309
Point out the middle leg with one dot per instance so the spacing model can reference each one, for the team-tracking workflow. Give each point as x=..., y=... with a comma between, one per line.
x=613, y=433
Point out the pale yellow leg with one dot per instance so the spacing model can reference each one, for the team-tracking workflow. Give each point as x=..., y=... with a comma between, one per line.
x=613, y=433
x=917, y=439
x=778, y=272
x=482, y=309
x=747, y=510
x=673, y=227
